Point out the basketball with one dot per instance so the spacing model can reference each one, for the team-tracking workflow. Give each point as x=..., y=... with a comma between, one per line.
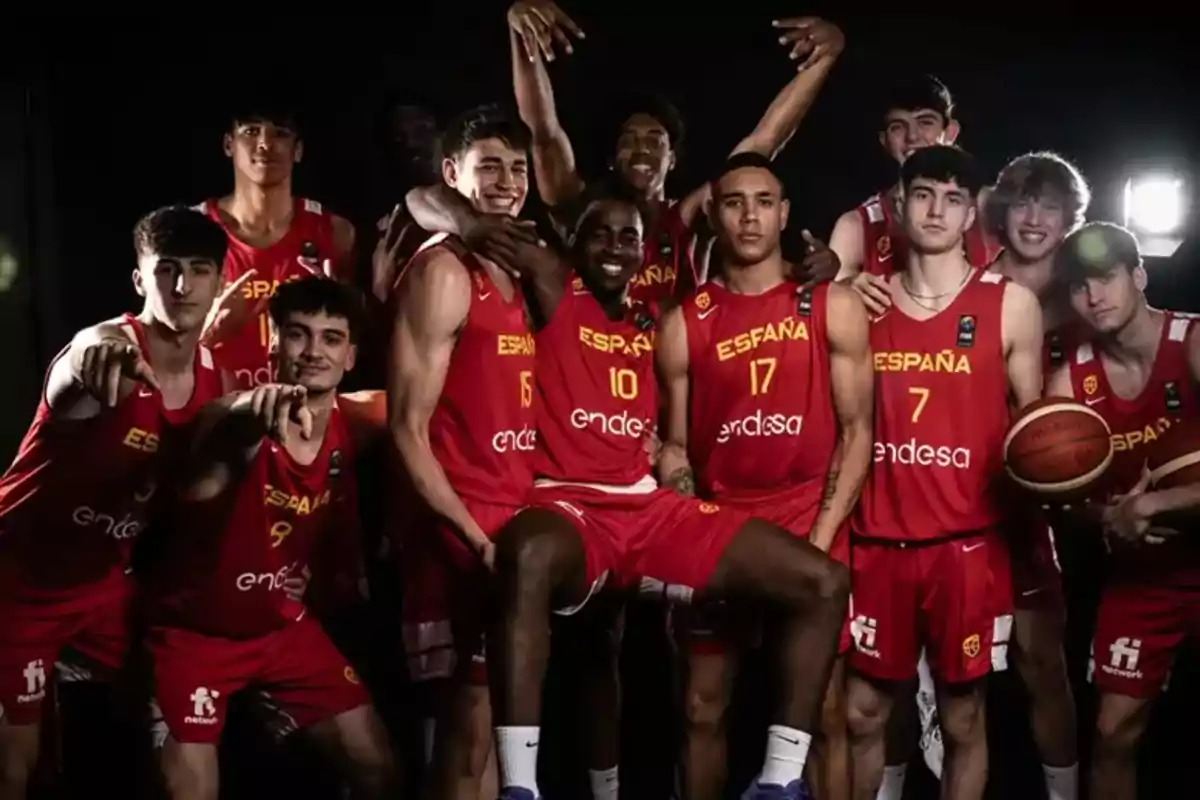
x=1174, y=458
x=1058, y=448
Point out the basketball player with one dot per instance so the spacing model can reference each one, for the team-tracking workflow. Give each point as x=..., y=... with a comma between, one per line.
x=868, y=239
x=1139, y=371
x=930, y=567
x=647, y=134
x=748, y=361
x=272, y=233
x=269, y=481
x=1038, y=200
x=461, y=393
x=597, y=518
x=78, y=494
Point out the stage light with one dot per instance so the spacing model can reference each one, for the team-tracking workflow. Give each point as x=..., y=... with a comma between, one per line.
x=1156, y=209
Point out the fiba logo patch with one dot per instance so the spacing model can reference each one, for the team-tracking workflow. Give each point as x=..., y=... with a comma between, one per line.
x=1171, y=392
x=310, y=257
x=1090, y=384
x=335, y=463
x=883, y=246
x=970, y=645
x=966, y=331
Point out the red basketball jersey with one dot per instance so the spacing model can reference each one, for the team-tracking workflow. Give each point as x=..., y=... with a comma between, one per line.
x=483, y=430
x=1061, y=343
x=597, y=392
x=299, y=254
x=667, y=268
x=78, y=493
x=1168, y=396
x=761, y=420
x=224, y=570
x=884, y=243
x=941, y=414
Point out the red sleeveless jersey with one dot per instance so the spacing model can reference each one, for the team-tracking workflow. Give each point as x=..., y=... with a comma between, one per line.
x=78, y=493
x=1168, y=396
x=667, y=268
x=483, y=430
x=224, y=571
x=759, y=383
x=299, y=254
x=884, y=243
x=941, y=413
x=597, y=392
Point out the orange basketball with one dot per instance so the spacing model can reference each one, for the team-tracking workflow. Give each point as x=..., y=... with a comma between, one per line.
x=1058, y=448
x=1174, y=458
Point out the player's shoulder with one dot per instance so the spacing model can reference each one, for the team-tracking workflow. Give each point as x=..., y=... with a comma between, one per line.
x=120, y=327
x=438, y=265
x=852, y=219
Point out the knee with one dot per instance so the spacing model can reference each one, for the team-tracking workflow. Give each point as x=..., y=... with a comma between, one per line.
x=1043, y=669
x=866, y=714
x=705, y=707
x=525, y=556
x=1117, y=733
x=962, y=718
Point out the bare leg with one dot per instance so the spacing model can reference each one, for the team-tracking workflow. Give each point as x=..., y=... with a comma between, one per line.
x=19, y=746
x=601, y=630
x=1120, y=724
x=870, y=705
x=963, y=712
x=191, y=770
x=1043, y=667
x=706, y=703
x=462, y=742
x=829, y=771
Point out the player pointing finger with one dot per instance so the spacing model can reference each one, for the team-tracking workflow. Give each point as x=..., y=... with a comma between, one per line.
x=105, y=363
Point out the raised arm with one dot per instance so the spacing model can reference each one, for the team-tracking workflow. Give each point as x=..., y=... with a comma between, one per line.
x=820, y=42
x=674, y=468
x=534, y=27
x=435, y=298
x=852, y=383
x=99, y=369
x=1022, y=332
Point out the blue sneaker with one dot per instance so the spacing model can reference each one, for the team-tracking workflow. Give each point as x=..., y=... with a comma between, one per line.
x=516, y=793
x=796, y=790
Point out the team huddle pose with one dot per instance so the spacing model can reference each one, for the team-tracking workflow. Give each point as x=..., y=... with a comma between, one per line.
x=642, y=402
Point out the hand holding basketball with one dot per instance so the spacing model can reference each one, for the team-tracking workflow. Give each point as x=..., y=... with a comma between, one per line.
x=1058, y=449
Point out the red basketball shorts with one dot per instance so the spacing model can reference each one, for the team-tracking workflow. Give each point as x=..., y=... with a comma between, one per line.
x=296, y=669
x=1037, y=579
x=444, y=596
x=95, y=625
x=953, y=597
x=1139, y=629
x=715, y=627
x=658, y=536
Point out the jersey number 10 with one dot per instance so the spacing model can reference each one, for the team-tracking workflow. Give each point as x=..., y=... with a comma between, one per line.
x=623, y=383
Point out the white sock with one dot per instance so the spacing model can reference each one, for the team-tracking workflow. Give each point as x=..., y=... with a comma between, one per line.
x=604, y=783
x=787, y=751
x=517, y=755
x=1062, y=783
x=892, y=787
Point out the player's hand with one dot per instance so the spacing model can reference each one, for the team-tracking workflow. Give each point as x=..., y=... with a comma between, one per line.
x=231, y=311
x=276, y=404
x=385, y=261
x=874, y=292
x=487, y=555
x=810, y=39
x=653, y=446
x=105, y=363
x=541, y=24
x=516, y=248
x=820, y=264
x=296, y=584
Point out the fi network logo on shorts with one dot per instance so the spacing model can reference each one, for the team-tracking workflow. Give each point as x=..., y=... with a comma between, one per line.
x=35, y=682
x=204, y=710
x=1124, y=654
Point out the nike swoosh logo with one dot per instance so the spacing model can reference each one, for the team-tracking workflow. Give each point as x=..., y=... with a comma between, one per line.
x=483, y=297
x=1091, y=401
x=706, y=312
x=1030, y=592
x=968, y=548
x=531, y=744
x=786, y=739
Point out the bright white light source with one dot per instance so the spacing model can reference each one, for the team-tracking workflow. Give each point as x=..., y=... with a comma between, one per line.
x=1154, y=204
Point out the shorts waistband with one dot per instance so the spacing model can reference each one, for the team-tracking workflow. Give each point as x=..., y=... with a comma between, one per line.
x=914, y=544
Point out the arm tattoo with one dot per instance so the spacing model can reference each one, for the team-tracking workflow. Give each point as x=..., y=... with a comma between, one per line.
x=683, y=481
x=830, y=489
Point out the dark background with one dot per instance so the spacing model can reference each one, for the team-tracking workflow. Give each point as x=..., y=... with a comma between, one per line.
x=104, y=117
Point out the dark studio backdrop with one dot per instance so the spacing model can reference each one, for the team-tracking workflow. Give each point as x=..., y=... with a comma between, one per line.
x=96, y=131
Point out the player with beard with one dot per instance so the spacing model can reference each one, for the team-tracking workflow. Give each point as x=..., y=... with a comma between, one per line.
x=461, y=394
x=647, y=133
x=1139, y=371
x=274, y=237
x=930, y=565
x=868, y=240
x=269, y=482
x=114, y=403
x=1038, y=200
x=597, y=518
x=750, y=355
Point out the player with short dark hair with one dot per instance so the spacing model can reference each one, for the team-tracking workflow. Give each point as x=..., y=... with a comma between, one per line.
x=752, y=360
x=1040, y=198
x=597, y=517
x=930, y=565
x=109, y=423
x=1138, y=370
x=269, y=482
x=273, y=236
